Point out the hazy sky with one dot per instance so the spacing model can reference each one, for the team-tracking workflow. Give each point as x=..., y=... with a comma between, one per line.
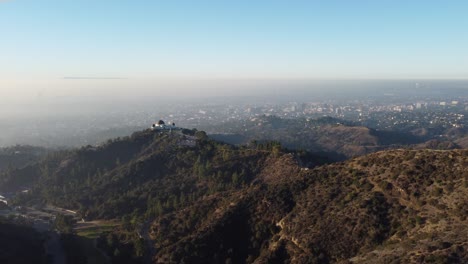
x=144, y=41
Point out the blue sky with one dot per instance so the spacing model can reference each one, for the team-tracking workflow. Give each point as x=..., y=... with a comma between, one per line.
x=232, y=39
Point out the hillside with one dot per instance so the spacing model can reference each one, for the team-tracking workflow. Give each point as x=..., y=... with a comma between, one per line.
x=401, y=205
x=332, y=137
x=146, y=173
x=195, y=200
x=16, y=239
x=463, y=142
x=20, y=156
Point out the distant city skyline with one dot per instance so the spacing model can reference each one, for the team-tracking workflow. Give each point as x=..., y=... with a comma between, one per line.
x=126, y=43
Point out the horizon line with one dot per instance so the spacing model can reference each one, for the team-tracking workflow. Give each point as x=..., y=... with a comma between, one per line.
x=92, y=78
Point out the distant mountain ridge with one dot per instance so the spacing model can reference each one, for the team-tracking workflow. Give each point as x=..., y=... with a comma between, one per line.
x=330, y=136
x=335, y=138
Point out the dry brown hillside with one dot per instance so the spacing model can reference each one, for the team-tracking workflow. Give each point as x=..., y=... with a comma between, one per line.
x=399, y=206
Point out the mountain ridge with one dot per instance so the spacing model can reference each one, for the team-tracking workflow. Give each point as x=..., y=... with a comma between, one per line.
x=205, y=201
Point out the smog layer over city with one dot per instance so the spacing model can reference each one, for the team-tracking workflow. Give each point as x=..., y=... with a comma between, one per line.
x=233, y=132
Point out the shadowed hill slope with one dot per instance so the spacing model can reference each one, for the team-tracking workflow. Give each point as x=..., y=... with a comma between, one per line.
x=16, y=239
x=20, y=156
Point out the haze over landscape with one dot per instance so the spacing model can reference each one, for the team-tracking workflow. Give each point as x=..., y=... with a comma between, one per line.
x=233, y=131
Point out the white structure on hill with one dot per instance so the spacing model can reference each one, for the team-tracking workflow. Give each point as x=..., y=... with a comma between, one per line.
x=162, y=126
